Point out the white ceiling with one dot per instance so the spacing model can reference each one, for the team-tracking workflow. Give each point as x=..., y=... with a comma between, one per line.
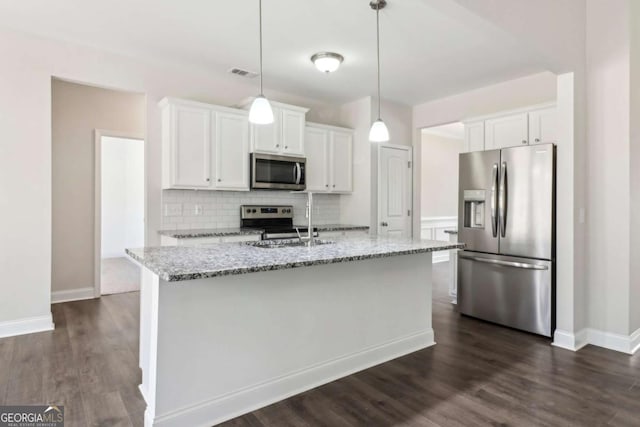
x=451, y=131
x=430, y=48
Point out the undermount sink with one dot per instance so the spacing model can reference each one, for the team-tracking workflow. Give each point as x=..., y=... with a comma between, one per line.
x=292, y=243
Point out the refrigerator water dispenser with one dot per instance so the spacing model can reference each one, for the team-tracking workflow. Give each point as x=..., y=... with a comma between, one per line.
x=474, y=201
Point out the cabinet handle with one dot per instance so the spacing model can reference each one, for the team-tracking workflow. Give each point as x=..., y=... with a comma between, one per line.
x=334, y=186
x=277, y=145
x=286, y=146
x=207, y=179
x=326, y=185
x=524, y=141
x=219, y=180
x=537, y=139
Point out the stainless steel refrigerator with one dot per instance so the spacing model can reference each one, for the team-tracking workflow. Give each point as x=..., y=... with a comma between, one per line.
x=506, y=218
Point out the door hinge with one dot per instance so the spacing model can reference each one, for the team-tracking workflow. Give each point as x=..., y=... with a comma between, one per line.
x=409, y=164
x=408, y=212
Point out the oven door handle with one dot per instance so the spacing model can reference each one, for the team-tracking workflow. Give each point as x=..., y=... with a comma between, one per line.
x=298, y=173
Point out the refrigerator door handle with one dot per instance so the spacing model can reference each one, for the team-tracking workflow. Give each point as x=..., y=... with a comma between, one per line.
x=523, y=265
x=502, y=200
x=494, y=201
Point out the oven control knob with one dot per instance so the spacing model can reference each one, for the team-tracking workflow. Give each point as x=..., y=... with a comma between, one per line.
x=253, y=211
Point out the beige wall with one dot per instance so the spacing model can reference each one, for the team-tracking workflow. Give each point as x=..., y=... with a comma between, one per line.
x=77, y=110
x=439, y=165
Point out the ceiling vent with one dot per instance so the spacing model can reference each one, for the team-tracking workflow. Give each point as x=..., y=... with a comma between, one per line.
x=243, y=73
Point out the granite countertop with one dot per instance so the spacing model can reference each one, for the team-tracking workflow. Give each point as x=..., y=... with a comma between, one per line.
x=177, y=263
x=237, y=231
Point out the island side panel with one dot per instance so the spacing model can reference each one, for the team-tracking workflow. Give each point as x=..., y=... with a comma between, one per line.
x=228, y=345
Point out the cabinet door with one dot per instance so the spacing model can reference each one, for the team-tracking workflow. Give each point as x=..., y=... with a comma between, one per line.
x=293, y=123
x=474, y=136
x=341, y=162
x=266, y=138
x=317, y=167
x=231, y=151
x=543, y=125
x=507, y=131
x=190, y=146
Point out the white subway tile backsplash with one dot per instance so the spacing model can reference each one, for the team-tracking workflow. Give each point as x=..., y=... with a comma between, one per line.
x=221, y=209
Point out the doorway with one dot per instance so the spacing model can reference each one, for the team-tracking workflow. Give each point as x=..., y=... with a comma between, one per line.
x=441, y=147
x=394, y=190
x=120, y=210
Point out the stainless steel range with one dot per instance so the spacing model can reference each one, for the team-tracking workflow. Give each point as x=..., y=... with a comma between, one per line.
x=275, y=220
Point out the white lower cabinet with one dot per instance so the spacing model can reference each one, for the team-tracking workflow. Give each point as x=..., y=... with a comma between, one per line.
x=198, y=241
x=453, y=270
x=204, y=146
x=342, y=234
x=329, y=167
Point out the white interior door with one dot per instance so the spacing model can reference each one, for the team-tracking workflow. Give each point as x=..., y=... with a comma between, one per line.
x=394, y=192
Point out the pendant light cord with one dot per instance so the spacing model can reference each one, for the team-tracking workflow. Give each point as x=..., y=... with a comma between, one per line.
x=378, y=51
x=260, y=26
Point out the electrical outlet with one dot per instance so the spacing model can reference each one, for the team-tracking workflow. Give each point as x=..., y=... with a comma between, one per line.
x=172, y=209
x=197, y=210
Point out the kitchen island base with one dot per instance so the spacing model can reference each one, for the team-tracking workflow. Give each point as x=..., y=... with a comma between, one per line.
x=215, y=348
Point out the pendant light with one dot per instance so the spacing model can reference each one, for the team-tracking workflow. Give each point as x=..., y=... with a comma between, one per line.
x=379, y=131
x=261, y=112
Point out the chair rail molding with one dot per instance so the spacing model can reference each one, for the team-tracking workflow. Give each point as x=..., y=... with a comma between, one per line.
x=433, y=228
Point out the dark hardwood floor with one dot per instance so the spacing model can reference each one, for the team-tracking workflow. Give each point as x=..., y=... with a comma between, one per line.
x=477, y=375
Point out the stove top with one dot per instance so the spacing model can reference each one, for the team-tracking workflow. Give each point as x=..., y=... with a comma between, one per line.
x=275, y=220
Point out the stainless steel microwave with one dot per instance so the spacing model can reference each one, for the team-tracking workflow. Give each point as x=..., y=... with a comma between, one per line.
x=274, y=172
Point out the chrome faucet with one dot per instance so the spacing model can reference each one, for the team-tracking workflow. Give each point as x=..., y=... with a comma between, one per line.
x=308, y=239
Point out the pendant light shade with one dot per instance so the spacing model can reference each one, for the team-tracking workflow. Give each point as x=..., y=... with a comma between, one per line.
x=378, y=131
x=261, y=112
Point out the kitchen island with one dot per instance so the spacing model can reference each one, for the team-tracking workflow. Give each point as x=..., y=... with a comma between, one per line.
x=229, y=328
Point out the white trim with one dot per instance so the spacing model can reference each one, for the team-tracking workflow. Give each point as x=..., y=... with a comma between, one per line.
x=429, y=227
x=97, y=202
x=328, y=127
x=570, y=341
x=261, y=395
x=628, y=344
x=27, y=325
x=73, y=295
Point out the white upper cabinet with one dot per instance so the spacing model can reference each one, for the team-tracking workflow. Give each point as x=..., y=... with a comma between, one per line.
x=543, y=126
x=507, y=131
x=231, y=151
x=329, y=153
x=264, y=138
x=284, y=136
x=187, y=146
x=292, y=124
x=474, y=136
x=341, y=161
x=317, y=151
x=204, y=146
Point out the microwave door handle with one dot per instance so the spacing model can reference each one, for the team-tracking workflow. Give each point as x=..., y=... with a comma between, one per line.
x=298, y=172
x=502, y=200
x=494, y=201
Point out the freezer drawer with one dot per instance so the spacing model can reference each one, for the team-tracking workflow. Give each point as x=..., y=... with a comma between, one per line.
x=515, y=292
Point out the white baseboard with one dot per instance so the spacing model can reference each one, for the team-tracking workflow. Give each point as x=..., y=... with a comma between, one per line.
x=27, y=325
x=241, y=402
x=628, y=344
x=72, y=295
x=570, y=341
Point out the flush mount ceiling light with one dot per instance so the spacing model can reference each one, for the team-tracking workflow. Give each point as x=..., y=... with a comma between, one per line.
x=261, y=112
x=327, y=62
x=378, y=131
